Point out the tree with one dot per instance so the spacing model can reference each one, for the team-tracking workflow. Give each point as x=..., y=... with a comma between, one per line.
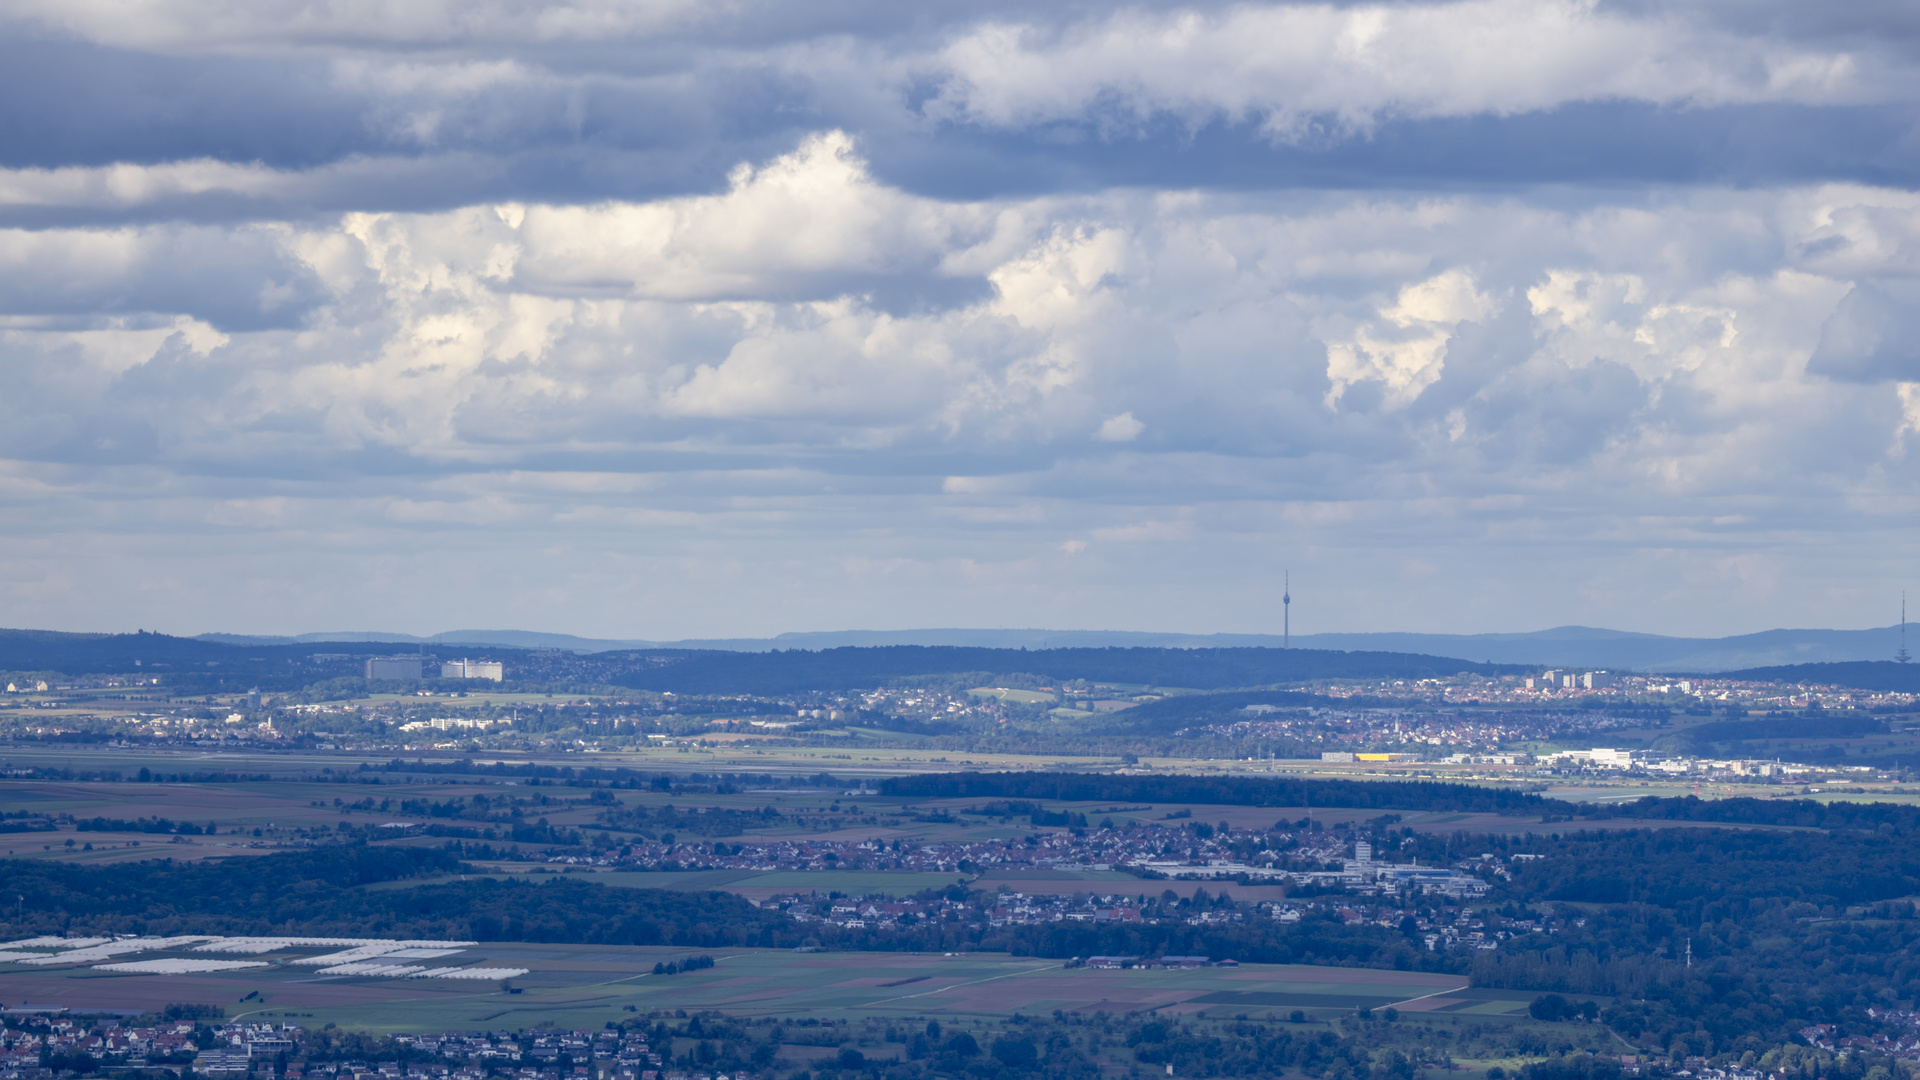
x=1015, y=1051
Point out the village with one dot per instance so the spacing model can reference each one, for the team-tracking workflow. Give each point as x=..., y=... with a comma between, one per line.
x=1296, y=852
x=41, y=1042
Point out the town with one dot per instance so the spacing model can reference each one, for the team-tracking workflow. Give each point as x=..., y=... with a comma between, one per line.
x=41, y=1042
x=1298, y=854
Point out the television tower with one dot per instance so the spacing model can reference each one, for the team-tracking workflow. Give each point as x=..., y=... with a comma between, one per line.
x=1286, y=615
x=1901, y=656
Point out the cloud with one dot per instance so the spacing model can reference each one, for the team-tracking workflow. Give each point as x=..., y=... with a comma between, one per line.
x=804, y=223
x=715, y=324
x=1122, y=428
x=123, y=185
x=278, y=24
x=244, y=278
x=669, y=318
x=232, y=112
x=1297, y=68
x=1405, y=350
x=1874, y=334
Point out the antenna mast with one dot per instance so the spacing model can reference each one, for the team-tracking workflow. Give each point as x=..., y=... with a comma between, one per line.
x=1286, y=614
x=1901, y=656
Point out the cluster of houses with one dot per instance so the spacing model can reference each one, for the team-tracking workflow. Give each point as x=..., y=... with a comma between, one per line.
x=23, y=1050
x=1905, y=1047
x=43, y=1041
x=1201, y=853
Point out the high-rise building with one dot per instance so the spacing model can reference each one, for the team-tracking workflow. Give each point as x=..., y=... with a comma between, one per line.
x=393, y=667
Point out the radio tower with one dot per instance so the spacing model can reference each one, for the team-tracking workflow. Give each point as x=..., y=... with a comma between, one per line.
x=1286, y=615
x=1901, y=656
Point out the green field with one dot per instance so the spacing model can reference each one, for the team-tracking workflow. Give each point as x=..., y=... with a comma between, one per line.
x=852, y=882
x=587, y=985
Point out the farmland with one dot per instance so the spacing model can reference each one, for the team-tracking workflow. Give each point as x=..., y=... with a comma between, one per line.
x=585, y=986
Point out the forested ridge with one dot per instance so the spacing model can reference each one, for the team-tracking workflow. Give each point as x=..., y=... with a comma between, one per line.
x=1406, y=795
x=1225, y=791
x=851, y=667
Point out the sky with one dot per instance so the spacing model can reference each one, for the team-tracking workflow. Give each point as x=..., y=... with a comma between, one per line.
x=670, y=319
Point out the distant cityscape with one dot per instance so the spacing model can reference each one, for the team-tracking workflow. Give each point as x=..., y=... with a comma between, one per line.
x=1554, y=723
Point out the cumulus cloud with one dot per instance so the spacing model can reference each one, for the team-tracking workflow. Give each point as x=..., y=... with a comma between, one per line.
x=804, y=221
x=495, y=331
x=1405, y=351
x=982, y=313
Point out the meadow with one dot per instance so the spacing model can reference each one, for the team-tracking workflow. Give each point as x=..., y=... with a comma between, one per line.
x=314, y=795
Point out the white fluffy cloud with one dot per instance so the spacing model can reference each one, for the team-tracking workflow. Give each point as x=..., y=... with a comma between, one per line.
x=726, y=396
x=1288, y=66
x=1405, y=351
x=815, y=213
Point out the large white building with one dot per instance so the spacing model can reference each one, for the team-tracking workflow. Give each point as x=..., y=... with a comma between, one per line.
x=393, y=667
x=1597, y=758
x=473, y=669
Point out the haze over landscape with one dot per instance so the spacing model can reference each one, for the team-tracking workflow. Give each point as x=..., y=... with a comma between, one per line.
x=1570, y=645
x=1205, y=539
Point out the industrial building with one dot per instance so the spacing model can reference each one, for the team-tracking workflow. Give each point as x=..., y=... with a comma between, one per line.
x=1596, y=758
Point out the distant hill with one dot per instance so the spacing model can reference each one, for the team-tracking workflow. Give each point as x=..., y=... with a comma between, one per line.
x=1582, y=646
x=1564, y=646
x=1882, y=675
x=187, y=664
x=282, y=664
x=1205, y=669
x=76, y=654
x=510, y=639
